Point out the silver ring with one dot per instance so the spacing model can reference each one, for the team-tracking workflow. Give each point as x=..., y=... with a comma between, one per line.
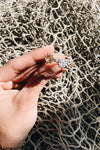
x=61, y=62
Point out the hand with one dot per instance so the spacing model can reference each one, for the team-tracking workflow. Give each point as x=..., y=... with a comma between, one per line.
x=21, y=80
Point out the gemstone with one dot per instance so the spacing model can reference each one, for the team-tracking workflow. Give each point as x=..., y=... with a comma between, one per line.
x=49, y=58
x=62, y=63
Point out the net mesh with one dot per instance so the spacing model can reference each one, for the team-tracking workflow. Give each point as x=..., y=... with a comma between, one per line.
x=69, y=107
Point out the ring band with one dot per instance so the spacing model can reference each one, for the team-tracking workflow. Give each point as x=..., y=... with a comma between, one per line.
x=61, y=62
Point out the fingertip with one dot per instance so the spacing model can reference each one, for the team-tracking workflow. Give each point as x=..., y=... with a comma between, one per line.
x=49, y=49
x=40, y=53
x=57, y=75
x=63, y=69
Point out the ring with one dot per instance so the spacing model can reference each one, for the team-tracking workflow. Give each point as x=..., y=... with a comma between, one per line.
x=61, y=62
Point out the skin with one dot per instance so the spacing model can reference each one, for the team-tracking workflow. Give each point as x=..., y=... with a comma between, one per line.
x=21, y=81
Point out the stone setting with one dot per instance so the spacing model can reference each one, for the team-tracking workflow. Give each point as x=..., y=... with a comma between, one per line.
x=62, y=63
x=49, y=58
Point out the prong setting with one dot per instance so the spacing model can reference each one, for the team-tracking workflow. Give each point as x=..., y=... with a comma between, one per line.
x=61, y=62
x=49, y=58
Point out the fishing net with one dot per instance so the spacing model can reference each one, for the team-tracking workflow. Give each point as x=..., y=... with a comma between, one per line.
x=69, y=107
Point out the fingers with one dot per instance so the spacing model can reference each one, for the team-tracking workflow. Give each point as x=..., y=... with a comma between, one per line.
x=11, y=69
x=49, y=70
x=29, y=59
x=28, y=96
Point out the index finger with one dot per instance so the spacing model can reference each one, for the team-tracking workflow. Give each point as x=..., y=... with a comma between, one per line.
x=15, y=66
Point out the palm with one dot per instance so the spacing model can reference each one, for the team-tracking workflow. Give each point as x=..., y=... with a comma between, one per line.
x=16, y=121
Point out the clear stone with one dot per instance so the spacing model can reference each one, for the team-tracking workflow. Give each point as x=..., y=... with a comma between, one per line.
x=62, y=63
